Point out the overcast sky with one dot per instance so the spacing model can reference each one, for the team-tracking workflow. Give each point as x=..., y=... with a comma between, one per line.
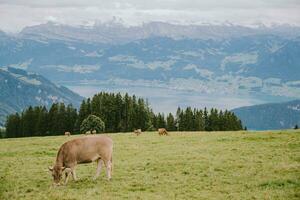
x=16, y=14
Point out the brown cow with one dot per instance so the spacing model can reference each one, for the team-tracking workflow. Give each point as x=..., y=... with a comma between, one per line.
x=83, y=150
x=67, y=133
x=137, y=132
x=162, y=131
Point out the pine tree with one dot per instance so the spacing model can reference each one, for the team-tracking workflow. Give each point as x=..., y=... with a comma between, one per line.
x=83, y=112
x=119, y=113
x=213, y=121
x=189, y=119
x=53, y=124
x=206, y=120
x=62, y=119
x=13, y=126
x=88, y=106
x=161, y=123
x=178, y=119
x=221, y=121
x=28, y=126
x=71, y=118
x=126, y=109
x=199, y=120
x=154, y=122
x=42, y=122
x=171, y=124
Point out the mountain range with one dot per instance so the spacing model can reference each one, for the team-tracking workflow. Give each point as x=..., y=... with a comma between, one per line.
x=20, y=89
x=224, y=66
x=114, y=32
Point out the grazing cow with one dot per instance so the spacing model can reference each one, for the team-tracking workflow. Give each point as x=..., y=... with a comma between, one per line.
x=67, y=133
x=162, y=131
x=83, y=150
x=88, y=132
x=137, y=132
x=94, y=132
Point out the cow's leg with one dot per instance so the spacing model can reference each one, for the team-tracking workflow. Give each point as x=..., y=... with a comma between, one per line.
x=108, y=165
x=74, y=175
x=99, y=166
x=111, y=166
x=68, y=171
x=67, y=177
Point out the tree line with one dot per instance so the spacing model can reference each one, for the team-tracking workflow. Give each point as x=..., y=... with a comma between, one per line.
x=120, y=113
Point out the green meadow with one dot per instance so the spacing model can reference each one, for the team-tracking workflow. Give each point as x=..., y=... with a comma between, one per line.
x=184, y=165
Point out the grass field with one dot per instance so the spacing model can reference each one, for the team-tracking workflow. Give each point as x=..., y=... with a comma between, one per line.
x=185, y=165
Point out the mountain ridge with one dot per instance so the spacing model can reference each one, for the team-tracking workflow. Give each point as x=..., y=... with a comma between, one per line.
x=270, y=116
x=20, y=89
x=116, y=33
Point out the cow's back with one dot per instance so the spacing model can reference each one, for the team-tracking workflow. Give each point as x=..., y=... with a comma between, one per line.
x=87, y=149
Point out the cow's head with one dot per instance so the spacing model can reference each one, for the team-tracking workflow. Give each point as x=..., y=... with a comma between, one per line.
x=57, y=172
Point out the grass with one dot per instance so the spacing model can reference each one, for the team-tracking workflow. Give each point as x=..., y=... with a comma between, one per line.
x=185, y=165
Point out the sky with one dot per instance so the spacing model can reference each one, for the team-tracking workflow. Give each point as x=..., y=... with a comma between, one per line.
x=17, y=14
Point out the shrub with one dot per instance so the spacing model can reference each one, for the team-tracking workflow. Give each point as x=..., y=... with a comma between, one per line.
x=92, y=122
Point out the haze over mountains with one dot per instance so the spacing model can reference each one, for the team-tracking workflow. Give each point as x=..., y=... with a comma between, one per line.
x=223, y=66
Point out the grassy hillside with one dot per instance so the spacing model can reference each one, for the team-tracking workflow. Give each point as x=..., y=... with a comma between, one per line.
x=223, y=165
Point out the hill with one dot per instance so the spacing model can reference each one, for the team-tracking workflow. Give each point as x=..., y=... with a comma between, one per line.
x=184, y=165
x=20, y=89
x=270, y=116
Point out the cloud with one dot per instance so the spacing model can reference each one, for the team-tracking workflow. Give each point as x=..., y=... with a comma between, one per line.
x=156, y=4
x=133, y=12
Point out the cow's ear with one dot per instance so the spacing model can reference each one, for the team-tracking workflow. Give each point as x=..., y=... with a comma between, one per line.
x=50, y=168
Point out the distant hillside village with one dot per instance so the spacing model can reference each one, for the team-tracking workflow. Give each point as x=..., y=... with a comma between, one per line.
x=120, y=113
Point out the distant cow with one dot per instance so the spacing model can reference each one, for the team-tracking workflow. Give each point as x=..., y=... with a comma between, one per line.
x=162, y=131
x=94, y=132
x=67, y=133
x=88, y=132
x=83, y=150
x=137, y=132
